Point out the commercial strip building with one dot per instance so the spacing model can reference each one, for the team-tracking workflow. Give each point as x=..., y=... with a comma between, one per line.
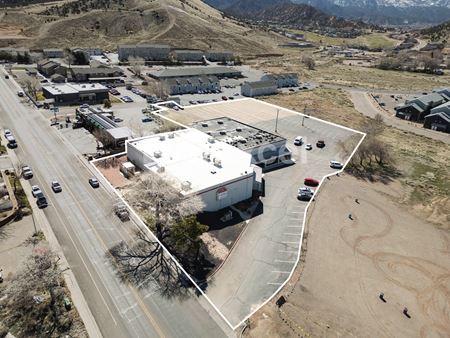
x=71, y=93
x=267, y=150
x=195, y=163
x=192, y=85
x=180, y=72
x=259, y=88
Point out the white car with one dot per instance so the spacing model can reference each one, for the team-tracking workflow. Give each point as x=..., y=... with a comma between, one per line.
x=35, y=190
x=305, y=193
x=298, y=141
x=8, y=132
x=308, y=146
x=336, y=165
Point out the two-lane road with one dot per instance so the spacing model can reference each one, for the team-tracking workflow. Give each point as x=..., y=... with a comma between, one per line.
x=84, y=225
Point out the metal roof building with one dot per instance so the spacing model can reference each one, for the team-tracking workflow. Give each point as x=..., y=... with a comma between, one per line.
x=179, y=72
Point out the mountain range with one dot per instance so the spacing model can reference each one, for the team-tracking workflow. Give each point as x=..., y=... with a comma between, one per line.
x=380, y=12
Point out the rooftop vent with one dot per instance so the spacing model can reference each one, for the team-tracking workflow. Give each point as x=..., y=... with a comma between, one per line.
x=239, y=129
x=161, y=169
x=222, y=132
x=157, y=153
x=162, y=138
x=186, y=185
x=172, y=135
x=211, y=140
x=220, y=122
x=259, y=137
x=206, y=156
x=217, y=163
x=205, y=125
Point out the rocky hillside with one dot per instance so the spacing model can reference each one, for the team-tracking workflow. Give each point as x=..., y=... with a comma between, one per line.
x=106, y=23
x=437, y=33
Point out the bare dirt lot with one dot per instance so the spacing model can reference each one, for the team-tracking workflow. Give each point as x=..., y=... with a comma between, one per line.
x=350, y=262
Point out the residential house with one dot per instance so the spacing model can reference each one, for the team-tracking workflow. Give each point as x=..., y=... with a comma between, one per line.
x=96, y=74
x=190, y=85
x=259, y=88
x=49, y=67
x=282, y=80
x=439, y=118
x=418, y=108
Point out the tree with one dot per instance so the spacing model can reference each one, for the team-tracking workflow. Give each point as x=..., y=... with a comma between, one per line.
x=136, y=64
x=107, y=103
x=33, y=301
x=32, y=86
x=309, y=62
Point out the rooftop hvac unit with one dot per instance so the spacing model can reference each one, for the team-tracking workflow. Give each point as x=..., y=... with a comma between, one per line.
x=217, y=162
x=186, y=186
x=222, y=132
x=162, y=138
x=238, y=129
x=259, y=137
x=206, y=156
x=211, y=140
x=205, y=125
x=172, y=135
x=157, y=153
x=161, y=169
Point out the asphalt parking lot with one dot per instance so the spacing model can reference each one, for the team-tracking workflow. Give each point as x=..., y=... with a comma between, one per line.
x=267, y=251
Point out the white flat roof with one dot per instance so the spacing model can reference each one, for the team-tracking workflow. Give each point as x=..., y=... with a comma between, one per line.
x=183, y=156
x=73, y=88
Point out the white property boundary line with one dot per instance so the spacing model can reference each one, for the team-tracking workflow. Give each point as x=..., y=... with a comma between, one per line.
x=142, y=224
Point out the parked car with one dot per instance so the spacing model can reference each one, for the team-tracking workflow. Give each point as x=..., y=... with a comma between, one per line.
x=320, y=144
x=35, y=190
x=7, y=132
x=336, y=165
x=224, y=98
x=230, y=98
x=94, y=182
x=305, y=193
x=114, y=91
x=27, y=173
x=298, y=141
x=308, y=146
x=118, y=119
x=126, y=99
x=56, y=187
x=6, y=76
x=20, y=93
x=311, y=182
x=41, y=201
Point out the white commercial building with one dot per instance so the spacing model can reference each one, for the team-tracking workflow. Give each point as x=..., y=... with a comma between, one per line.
x=195, y=163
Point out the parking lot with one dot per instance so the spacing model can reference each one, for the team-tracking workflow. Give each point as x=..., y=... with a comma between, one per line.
x=268, y=248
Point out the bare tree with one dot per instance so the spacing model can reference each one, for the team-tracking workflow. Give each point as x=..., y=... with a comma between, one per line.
x=103, y=137
x=158, y=88
x=136, y=64
x=33, y=301
x=309, y=62
x=32, y=86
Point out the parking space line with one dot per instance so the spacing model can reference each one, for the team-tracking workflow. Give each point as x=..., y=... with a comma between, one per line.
x=297, y=212
x=287, y=251
x=294, y=226
x=289, y=242
x=269, y=283
x=279, y=260
x=281, y=271
x=290, y=234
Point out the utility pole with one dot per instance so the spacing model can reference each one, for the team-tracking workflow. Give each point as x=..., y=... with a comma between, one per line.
x=276, y=121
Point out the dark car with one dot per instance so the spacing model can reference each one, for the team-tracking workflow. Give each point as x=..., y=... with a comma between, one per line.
x=56, y=187
x=94, y=182
x=320, y=144
x=6, y=76
x=41, y=201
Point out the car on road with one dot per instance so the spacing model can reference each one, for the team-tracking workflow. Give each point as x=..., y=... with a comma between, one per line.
x=41, y=201
x=320, y=144
x=336, y=165
x=20, y=93
x=56, y=187
x=35, y=190
x=305, y=193
x=7, y=133
x=27, y=173
x=224, y=98
x=126, y=99
x=298, y=141
x=311, y=182
x=94, y=182
x=308, y=146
